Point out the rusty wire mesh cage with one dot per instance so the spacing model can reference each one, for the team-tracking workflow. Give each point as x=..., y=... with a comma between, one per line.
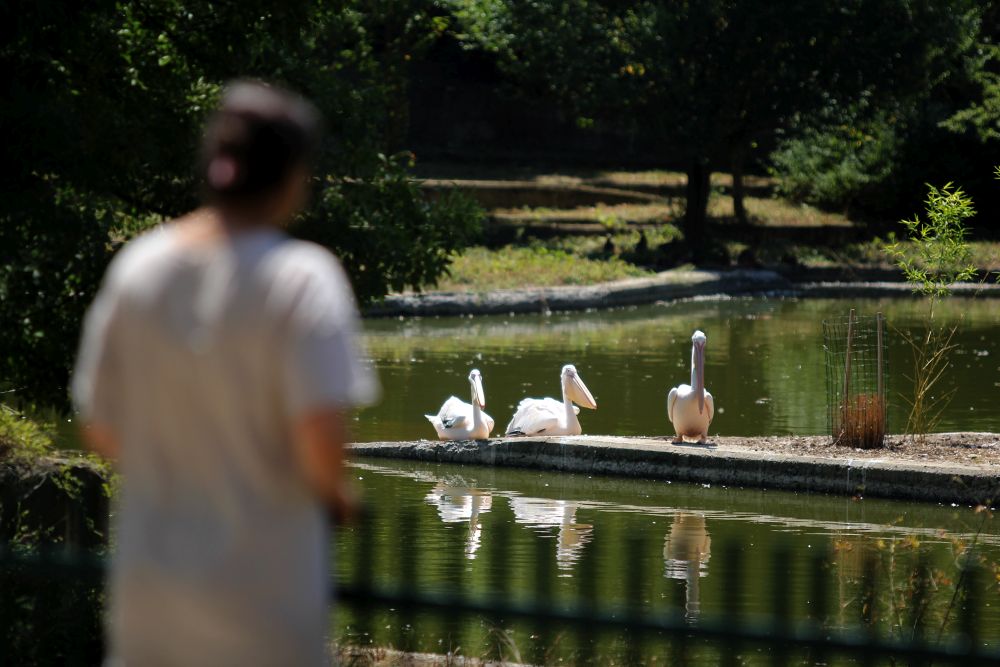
x=856, y=380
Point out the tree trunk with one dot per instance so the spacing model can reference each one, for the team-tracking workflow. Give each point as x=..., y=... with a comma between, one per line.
x=739, y=209
x=696, y=211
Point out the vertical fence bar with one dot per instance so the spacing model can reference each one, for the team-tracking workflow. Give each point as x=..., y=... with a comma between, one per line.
x=921, y=586
x=586, y=637
x=678, y=600
x=781, y=563
x=679, y=650
x=499, y=576
x=969, y=611
x=455, y=618
x=634, y=597
x=868, y=610
x=364, y=572
x=732, y=566
x=543, y=599
x=405, y=635
x=819, y=599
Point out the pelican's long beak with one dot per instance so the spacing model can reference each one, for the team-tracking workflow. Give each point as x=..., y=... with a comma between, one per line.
x=478, y=394
x=700, y=377
x=579, y=393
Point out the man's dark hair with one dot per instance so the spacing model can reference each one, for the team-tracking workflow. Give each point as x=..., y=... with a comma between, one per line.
x=255, y=140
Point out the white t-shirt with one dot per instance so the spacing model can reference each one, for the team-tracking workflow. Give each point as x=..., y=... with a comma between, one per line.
x=200, y=358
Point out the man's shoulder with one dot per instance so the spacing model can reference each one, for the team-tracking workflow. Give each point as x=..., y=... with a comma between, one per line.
x=136, y=256
x=308, y=260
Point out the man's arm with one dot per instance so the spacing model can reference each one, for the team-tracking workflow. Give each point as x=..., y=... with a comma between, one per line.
x=319, y=437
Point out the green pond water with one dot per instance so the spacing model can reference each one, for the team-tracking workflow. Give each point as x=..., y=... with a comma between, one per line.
x=657, y=545
x=764, y=364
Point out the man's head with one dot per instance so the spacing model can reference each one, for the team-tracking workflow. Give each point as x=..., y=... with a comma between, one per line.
x=257, y=150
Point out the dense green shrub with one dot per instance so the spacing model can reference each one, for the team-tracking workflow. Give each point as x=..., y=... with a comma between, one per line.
x=102, y=107
x=836, y=166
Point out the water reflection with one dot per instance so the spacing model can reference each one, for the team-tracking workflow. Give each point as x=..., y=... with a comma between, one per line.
x=686, y=551
x=670, y=520
x=560, y=514
x=457, y=502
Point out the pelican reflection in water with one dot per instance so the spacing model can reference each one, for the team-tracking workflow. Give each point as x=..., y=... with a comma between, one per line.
x=561, y=514
x=457, y=502
x=686, y=551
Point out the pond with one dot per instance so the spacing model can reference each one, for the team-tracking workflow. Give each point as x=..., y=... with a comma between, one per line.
x=652, y=543
x=764, y=364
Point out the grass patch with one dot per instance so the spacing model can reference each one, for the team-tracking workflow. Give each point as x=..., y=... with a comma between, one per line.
x=610, y=216
x=481, y=269
x=774, y=212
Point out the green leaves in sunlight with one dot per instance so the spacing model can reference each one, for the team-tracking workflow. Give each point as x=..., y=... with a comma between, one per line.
x=938, y=253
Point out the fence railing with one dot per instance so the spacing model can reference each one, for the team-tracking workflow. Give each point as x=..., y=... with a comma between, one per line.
x=50, y=608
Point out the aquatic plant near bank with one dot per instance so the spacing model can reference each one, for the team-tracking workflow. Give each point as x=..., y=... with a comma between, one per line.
x=937, y=256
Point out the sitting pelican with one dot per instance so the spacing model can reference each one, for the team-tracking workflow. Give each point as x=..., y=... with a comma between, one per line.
x=459, y=420
x=547, y=416
x=690, y=407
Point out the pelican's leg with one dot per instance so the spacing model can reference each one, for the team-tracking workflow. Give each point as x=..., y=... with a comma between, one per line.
x=679, y=439
x=703, y=438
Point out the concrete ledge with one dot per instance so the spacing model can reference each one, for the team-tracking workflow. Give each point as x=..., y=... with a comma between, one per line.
x=664, y=286
x=667, y=285
x=657, y=459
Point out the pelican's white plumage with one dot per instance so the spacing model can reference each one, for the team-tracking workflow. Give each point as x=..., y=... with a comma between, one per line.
x=689, y=406
x=458, y=420
x=547, y=416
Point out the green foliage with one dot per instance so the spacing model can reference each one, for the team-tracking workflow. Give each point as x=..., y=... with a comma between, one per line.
x=982, y=116
x=941, y=255
x=937, y=256
x=390, y=237
x=940, y=131
x=709, y=81
x=102, y=111
x=835, y=165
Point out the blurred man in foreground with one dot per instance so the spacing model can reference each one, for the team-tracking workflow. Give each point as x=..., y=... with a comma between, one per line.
x=216, y=366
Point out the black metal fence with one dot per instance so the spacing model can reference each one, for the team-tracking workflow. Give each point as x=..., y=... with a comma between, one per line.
x=51, y=607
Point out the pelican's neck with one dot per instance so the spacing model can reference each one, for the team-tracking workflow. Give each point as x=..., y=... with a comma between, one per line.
x=568, y=404
x=694, y=365
x=477, y=412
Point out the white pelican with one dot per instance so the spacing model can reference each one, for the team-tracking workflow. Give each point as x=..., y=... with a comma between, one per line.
x=690, y=407
x=547, y=416
x=458, y=420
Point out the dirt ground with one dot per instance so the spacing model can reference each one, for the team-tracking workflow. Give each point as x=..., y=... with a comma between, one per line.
x=959, y=448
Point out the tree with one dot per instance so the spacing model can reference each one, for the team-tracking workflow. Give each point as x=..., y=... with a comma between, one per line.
x=713, y=79
x=102, y=107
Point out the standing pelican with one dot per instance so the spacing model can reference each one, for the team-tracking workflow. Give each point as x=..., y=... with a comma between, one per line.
x=459, y=420
x=690, y=407
x=547, y=416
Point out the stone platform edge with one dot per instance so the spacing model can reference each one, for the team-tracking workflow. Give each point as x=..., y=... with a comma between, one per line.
x=666, y=286
x=707, y=464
